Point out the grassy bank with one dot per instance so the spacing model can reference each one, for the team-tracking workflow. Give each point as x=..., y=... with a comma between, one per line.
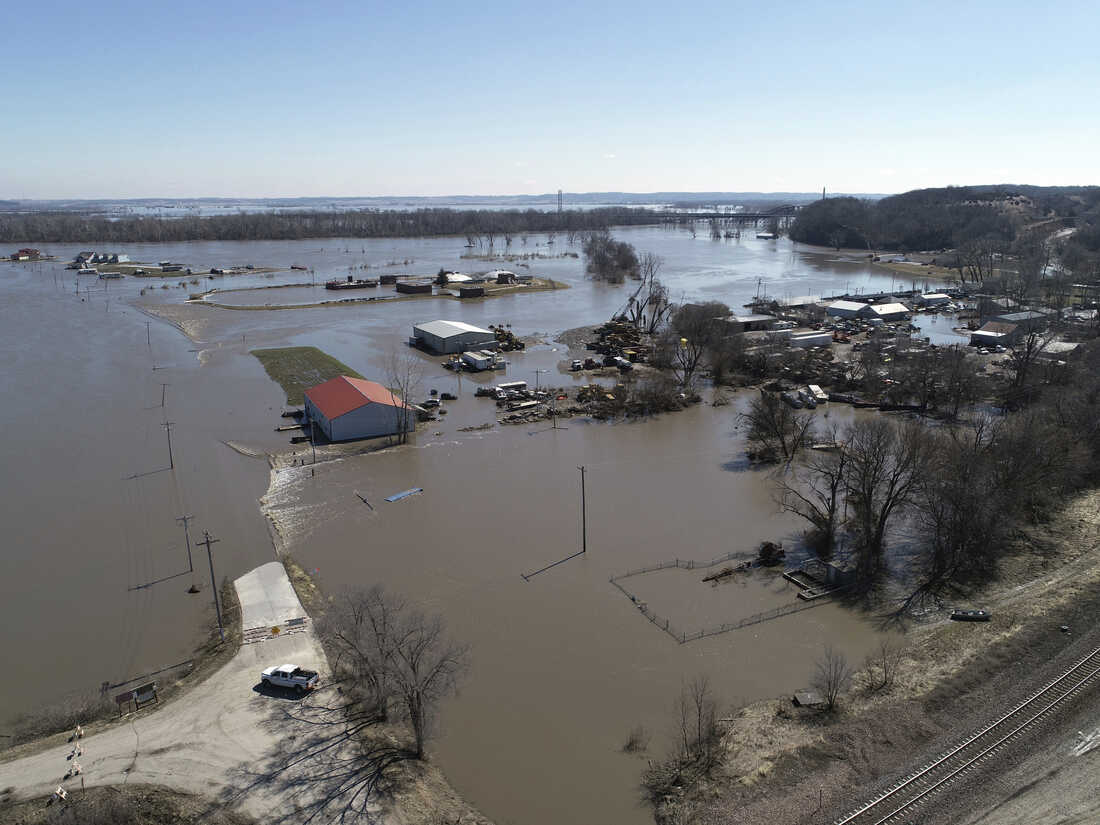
x=951, y=678
x=123, y=805
x=295, y=369
x=96, y=710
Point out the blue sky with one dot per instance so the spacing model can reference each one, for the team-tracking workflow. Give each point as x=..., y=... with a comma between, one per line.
x=243, y=99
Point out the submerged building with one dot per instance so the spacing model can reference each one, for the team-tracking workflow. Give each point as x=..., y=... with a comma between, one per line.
x=445, y=337
x=345, y=409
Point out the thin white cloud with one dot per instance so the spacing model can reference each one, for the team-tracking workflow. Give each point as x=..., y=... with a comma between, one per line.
x=609, y=156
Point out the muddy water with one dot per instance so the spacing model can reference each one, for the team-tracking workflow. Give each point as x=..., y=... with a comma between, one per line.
x=563, y=665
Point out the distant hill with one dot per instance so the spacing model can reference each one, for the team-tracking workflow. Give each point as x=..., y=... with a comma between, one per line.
x=933, y=219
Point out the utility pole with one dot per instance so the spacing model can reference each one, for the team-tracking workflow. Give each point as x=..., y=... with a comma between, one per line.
x=217, y=607
x=537, y=378
x=584, y=515
x=163, y=389
x=148, y=335
x=187, y=538
x=313, y=440
x=168, y=429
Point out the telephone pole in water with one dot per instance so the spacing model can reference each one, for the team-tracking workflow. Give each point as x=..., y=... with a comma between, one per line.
x=206, y=540
x=168, y=429
x=187, y=538
x=584, y=515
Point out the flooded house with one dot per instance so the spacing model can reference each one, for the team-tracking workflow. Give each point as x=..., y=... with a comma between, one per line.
x=346, y=409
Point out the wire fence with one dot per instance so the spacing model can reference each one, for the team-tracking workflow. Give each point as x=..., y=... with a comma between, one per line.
x=683, y=636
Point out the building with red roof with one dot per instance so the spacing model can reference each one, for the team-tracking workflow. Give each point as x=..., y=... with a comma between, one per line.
x=346, y=409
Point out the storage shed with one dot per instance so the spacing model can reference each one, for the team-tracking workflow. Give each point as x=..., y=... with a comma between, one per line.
x=451, y=336
x=886, y=312
x=933, y=299
x=845, y=309
x=345, y=409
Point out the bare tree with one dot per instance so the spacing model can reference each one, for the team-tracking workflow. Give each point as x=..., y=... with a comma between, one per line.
x=881, y=665
x=776, y=432
x=1022, y=359
x=832, y=676
x=883, y=465
x=391, y=657
x=814, y=490
x=697, y=330
x=404, y=372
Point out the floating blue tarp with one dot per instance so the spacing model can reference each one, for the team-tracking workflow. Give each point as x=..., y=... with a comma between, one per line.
x=399, y=496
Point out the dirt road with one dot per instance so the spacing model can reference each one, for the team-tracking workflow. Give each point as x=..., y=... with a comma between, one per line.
x=224, y=738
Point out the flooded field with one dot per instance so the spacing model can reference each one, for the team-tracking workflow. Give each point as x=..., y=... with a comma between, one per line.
x=563, y=665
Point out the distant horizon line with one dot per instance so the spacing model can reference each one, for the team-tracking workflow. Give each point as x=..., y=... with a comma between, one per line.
x=659, y=195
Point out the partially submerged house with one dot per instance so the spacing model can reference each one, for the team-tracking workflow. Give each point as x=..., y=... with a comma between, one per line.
x=346, y=409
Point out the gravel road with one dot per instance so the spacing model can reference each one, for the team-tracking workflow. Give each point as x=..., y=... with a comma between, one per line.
x=224, y=738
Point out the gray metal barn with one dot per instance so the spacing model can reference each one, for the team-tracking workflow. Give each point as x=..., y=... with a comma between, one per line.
x=452, y=336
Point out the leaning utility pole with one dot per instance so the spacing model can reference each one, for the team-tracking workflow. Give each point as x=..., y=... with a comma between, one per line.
x=584, y=515
x=168, y=429
x=187, y=538
x=213, y=586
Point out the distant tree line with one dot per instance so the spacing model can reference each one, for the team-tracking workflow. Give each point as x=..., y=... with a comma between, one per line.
x=70, y=227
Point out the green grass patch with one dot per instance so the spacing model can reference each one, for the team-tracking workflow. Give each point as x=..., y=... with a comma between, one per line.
x=296, y=369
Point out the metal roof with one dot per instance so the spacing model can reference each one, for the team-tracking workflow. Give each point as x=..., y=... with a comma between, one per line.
x=847, y=306
x=889, y=309
x=447, y=329
x=341, y=395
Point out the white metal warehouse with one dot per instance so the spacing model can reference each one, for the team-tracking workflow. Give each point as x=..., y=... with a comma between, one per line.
x=346, y=408
x=451, y=336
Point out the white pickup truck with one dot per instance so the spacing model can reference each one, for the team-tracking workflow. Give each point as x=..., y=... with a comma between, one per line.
x=290, y=676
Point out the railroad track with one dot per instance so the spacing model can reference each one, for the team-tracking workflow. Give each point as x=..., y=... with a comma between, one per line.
x=905, y=797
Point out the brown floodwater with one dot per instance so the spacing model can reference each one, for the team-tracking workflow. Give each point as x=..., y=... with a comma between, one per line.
x=94, y=588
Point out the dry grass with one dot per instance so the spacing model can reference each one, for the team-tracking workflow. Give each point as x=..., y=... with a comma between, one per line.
x=950, y=676
x=125, y=805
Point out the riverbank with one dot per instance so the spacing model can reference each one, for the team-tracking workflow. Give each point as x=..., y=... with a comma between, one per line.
x=789, y=764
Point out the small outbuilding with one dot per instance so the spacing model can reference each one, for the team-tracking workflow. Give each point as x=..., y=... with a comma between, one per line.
x=751, y=323
x=346, y=409
x=444, y=337
x=994, y=333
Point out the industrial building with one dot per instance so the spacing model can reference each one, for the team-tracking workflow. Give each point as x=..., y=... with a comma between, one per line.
x=933, y=299
x=886, y=312
x=345, y=409
x=845, y=309
x=856, y=309
x=445, y=337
